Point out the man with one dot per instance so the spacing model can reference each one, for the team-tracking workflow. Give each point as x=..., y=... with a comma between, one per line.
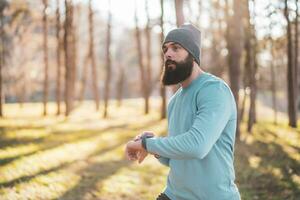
x=202, y=117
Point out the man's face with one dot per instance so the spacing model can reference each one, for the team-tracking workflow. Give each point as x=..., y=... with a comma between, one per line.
x=178, y=64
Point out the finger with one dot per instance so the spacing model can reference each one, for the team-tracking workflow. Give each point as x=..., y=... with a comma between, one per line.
x=142, y=155
x=133, y=156
x=138, y=137
x=130, y=154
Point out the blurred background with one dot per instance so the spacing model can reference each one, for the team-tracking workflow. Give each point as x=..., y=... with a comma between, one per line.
x=79, y=78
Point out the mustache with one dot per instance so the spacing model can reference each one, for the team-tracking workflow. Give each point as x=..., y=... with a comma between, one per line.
x=168, y=62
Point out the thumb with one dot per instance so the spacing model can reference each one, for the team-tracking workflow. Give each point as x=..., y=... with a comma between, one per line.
x=142, y=155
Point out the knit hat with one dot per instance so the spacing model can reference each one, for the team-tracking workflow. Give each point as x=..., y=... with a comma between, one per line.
x=188, y=36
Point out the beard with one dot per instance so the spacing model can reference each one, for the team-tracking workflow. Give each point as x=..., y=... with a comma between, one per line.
x=182, y=70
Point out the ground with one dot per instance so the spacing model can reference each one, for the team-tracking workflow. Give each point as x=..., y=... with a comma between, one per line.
x=82, y=157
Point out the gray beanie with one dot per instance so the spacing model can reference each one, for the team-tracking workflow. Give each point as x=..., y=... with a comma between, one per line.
x=188, y=36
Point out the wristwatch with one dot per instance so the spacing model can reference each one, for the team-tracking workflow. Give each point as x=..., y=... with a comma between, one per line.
x=144, y=137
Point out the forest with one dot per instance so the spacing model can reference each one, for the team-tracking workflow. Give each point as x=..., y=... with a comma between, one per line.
x=80, y=78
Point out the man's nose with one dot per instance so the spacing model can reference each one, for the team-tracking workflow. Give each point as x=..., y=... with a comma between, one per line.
x=168, y=55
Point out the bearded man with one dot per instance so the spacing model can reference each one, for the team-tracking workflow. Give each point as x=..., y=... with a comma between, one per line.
x=202, y=118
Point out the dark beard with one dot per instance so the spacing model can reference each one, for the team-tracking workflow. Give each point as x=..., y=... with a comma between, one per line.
x=181, y=72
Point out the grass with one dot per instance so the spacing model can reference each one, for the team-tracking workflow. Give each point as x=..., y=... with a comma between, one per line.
x=82, y=157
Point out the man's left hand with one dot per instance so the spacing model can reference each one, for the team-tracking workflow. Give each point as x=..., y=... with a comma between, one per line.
x=135, y=151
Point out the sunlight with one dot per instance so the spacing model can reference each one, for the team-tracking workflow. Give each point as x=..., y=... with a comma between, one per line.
x=27, y=134
x=18, y=150
x=48, y=186
x=254, y=161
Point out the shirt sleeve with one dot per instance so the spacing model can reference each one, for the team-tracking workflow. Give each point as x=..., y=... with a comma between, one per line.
x=215, y=105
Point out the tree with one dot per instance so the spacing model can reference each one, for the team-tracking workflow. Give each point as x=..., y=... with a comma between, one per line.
x=250, y=64
x=292, y=110
x=120, y=84
x=234, y=37
x=149, y=58
x=140, y=61
x=3, y=5
x=296, y=61
x=216, y=66
x=179, y=12
x=58, y=58
x=91, y=59
x=69, y=56
x=273, y=81
x=75, y=13
x=162, y=87
x=45, y=47
x=108, y=64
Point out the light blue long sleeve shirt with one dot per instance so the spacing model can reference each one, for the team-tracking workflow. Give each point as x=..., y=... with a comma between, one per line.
x=199, y=148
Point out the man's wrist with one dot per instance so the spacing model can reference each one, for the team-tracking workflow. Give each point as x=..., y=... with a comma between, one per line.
x=144, y=142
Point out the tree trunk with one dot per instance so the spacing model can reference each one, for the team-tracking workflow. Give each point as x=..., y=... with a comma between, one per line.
x=162, y=87
x=273, y=84
x=120, y=85
x=108, y=64
x=234, y=46
x=148, y=65
x=1, y=60
x=140, y=60
x=74, y=12
x=58, y=58
x=45, y=34
x=296, y=60
x=179, y=12
x=68, y=40
x=243, y=105
x=292, y=112
x=217, y=67
x=251, y=65
x=92, y=56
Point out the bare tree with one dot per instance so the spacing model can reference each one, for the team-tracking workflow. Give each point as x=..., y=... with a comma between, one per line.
x=69, y=56
x=179, y=12
x=162, y=88
x=3, y=5
x=58, y=58
x=148, y=53
x=92, y=56
x=140, y=60
x=108, y=64
x=75, y=13
x=296, y=60
x=45, y=47
x=216, y=67
x=120, y=84
x=251, y=63
x=273, y=82
x=292, y=110
x=234, y=36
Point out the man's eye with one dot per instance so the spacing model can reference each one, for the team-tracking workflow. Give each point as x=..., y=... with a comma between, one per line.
x=175, y=48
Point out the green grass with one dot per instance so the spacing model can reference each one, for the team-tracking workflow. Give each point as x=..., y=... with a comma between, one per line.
x=82, y=157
